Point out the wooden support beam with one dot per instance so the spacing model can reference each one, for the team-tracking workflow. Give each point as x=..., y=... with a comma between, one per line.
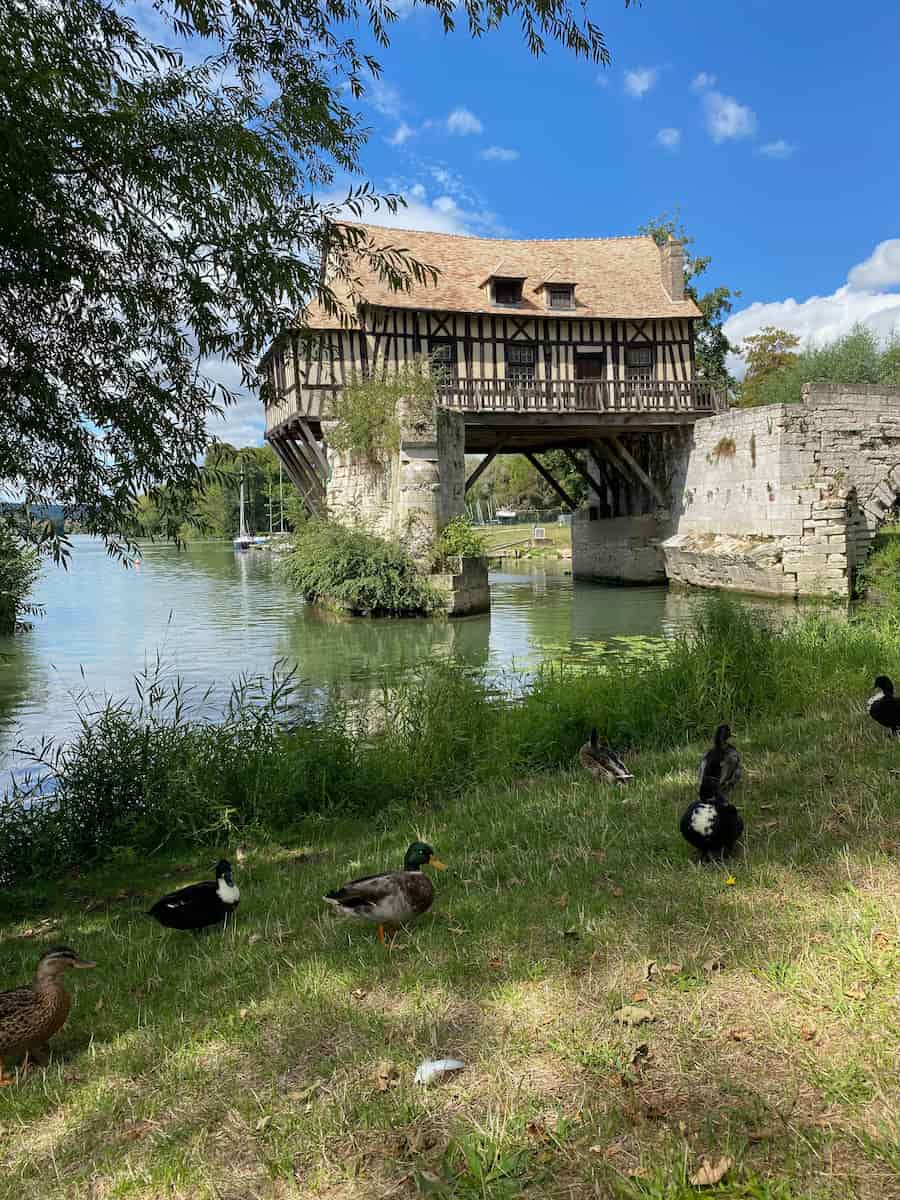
x=545, y=474
x=639, y=471
x=483, y=466
x=308, y=461
x=583, y=471
x=318, y=453
x=303, y=478
x=609, y=457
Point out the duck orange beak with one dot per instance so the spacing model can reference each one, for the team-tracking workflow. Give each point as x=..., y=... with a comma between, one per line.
x=436, y=862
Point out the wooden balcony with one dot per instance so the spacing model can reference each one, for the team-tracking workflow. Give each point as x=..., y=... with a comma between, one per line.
x=697, y=398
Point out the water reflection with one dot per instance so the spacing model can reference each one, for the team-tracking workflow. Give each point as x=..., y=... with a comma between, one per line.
x=212, y=615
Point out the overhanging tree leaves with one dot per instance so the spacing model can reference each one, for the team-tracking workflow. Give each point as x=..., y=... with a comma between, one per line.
x=158, y=211
x=710, y=343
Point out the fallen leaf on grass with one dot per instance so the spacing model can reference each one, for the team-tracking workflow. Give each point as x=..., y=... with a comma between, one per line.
x=562, y=901
x=766, y=824
x=599, y=855
x=817, y=938
x=254, y=938
x=740, y=1035
x=262, y=1123
x=730, y=881
x=857, y=991
x=881, y=940
x=632, y=1015
x=889, y=847
x=650, y=971
x=431, y=1070
x=640, y=997
x=244, y=1013
x=386, y=1075
x=570, y=933
x=359, y=994
x=672, y=968
x=40, y=929
x=808, y=1033
x=709, y=1173
x=638, y=1173
x=496, y=964
x=712, y=965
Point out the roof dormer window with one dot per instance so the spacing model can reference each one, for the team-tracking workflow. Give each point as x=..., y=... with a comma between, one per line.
x=507, y=291
x=560, y=295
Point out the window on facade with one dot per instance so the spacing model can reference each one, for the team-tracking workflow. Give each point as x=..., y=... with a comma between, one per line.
x=561, y=297
x=639, y=362
x=507, y=291
x=278, y=360
x=520, y=364
x=442, y=352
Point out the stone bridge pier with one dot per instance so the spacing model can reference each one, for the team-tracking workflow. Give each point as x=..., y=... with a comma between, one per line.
x=783, y=500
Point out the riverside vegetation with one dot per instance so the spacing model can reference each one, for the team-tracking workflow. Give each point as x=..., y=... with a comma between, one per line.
x=766, y=1034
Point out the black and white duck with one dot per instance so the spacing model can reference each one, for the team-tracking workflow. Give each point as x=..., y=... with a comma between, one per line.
x=721, y=764
x=884, y=706
x=712, y=824
x=201, y=904
x=601, y=761
x=392, y=898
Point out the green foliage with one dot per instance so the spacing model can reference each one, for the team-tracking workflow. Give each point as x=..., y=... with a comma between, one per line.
x=512, y=482
x=711, y=346
x=857, y=357
x=458, y=539
x=880, y=576
x=357, y=572
x=155, y=219
x=765, y=352
x=19, y=569
x=147, y=774
x=367, y=410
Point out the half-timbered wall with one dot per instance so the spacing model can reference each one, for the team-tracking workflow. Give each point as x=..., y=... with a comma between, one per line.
x=477, y=347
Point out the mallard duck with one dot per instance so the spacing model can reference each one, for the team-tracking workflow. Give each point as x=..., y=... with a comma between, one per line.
x=883, y=705
x=601, y=761
x=200, y=905
x=393, y=897
x=30, y=1016
x=712, y=823
x=721, y=763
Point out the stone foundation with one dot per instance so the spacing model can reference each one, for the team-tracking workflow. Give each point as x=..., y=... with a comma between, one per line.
x=466, y=590
x=620, y=549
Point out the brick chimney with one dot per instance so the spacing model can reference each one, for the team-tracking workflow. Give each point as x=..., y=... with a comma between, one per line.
x=672, y=263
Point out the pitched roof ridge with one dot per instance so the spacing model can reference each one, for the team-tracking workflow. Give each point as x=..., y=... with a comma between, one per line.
x=477, y=237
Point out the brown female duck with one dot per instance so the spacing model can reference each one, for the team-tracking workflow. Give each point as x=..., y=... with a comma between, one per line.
x=30, y=1016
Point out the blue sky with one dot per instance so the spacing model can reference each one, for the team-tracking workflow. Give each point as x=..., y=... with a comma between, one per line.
x=773, y=127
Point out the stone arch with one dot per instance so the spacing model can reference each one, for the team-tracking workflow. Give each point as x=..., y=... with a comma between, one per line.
x=865, y=515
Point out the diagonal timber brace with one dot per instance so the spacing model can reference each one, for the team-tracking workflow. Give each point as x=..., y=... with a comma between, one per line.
x=545, y=474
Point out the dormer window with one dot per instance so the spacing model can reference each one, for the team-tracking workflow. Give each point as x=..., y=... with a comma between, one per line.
x=507, y=291
x=560, y=295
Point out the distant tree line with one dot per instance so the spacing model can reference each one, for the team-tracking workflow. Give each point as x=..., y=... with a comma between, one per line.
x=270, y=500
x=777, y=367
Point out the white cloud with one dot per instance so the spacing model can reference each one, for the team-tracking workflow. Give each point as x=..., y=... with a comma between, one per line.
x=242, y=424
x=669, y=139
x=702, y=81
x=639, y=81
x=499, y=154
x=880, y=269
x=779, y=149
x=821, y=319
x=385, y=98
x=462, y=121
x=401, y=135
x=726, y=120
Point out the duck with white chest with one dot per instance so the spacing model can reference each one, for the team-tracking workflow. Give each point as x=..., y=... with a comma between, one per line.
x=712, y=824
x=884, y=706
x=201, y=904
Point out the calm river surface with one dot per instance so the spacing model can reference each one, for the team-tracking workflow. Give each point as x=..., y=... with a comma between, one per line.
x=212, y=615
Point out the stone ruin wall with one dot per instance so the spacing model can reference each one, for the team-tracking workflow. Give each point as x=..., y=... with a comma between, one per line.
x=408, y=494
x=786, y=499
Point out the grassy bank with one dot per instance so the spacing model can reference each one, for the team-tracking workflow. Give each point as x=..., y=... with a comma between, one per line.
x=559, y=538
x=276, y=1061
x=142, y=777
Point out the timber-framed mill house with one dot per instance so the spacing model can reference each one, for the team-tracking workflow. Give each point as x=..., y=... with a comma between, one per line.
x=564, y=343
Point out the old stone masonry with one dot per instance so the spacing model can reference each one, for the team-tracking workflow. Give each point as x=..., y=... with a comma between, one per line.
x=783, y=500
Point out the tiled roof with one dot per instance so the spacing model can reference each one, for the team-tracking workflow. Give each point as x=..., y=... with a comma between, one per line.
x=613, y=277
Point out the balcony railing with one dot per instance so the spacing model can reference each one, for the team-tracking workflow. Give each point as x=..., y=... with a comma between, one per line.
x=536, y=396
x=587, y=396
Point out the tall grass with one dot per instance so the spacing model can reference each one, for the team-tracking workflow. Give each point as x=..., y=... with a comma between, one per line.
x=147, y=774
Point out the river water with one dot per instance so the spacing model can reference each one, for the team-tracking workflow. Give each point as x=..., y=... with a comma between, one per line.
x=210, y=615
